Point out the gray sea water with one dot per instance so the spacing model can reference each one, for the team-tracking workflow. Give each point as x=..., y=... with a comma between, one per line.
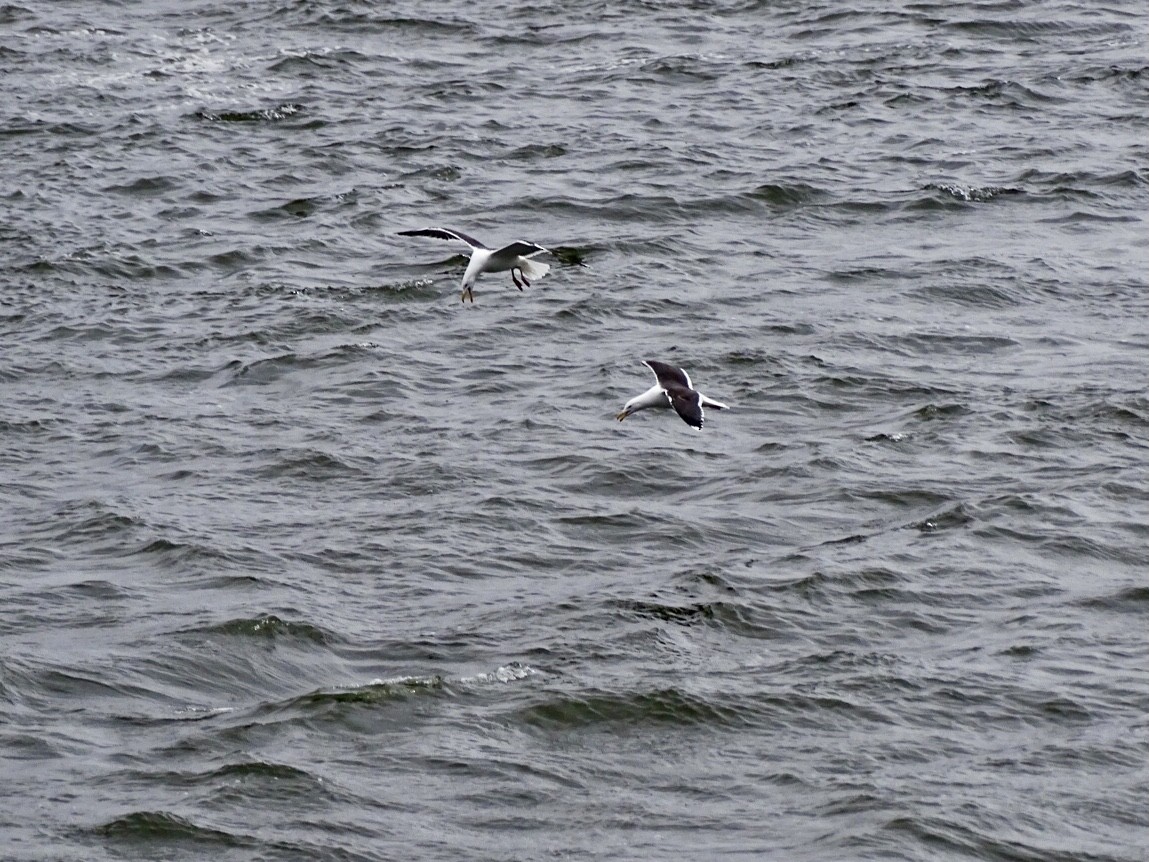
x=303, y=559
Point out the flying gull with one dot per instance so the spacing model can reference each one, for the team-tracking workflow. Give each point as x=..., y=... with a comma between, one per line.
x=516, y=257
x=672, y=389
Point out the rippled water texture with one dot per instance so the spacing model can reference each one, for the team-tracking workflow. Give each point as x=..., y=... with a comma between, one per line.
x=301, y=558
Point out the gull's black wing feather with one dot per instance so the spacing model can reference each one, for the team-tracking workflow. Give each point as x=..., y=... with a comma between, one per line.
x=443, y=233
x=521, y=249
x=688, y=403
x=668, y=374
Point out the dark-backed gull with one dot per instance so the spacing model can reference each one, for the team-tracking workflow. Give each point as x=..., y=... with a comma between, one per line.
x=516, y=257
x=673, y=389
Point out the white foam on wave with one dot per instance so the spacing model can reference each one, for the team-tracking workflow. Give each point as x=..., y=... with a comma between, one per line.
x=197, y=713
x=506, y=673
x=502, y=674
x=410, y=681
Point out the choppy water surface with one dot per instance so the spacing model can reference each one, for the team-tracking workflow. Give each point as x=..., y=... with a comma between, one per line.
x=301, y=558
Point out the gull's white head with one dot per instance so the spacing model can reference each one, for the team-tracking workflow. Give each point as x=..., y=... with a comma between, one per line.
x=655, y=396
x=627, y=408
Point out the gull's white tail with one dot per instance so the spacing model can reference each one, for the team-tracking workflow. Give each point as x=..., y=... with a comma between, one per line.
x=533, y=269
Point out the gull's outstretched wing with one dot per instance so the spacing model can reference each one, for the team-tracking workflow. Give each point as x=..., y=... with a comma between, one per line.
x=443, y=233
x=668, y=375
x=507, y=255
x=522, y=249
x=688, y=403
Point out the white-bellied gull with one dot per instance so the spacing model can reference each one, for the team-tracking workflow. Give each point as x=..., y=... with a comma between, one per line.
x=672, y=389
x=516, y=257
